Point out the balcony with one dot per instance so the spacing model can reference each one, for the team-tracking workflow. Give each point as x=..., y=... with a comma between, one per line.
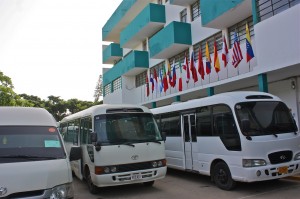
x=171, y=40
x=149, y=21
x=122, y=16
x=223, y=14
x=181, y=2
x=112, y=53
x=132, y=64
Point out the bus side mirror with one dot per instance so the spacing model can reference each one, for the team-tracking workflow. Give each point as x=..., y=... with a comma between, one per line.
x=245, y=124
x=75, y=153
x=93, y=137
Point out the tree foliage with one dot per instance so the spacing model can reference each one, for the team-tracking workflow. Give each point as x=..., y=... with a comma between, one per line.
x=58, y=107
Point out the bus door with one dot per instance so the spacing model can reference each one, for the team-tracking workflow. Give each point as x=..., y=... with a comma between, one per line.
x=190, y=140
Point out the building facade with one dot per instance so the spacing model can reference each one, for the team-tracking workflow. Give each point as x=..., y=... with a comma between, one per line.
x=156, y=38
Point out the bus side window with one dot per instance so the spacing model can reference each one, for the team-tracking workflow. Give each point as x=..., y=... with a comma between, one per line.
x=204, y=123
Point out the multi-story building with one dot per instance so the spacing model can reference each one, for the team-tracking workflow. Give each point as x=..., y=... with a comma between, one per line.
x=148, y=35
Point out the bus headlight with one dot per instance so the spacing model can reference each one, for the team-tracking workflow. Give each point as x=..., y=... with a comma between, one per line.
x=254, y=162
x=297, y=156
x=62, y=192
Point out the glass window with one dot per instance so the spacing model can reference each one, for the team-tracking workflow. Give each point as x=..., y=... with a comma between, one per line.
x=179, y=58
x=126, y=128
x=170, y=124
x=224, y=123
x=85, y=130
x=240, y=29
x=140, y=79
x=195, y=10
x=210, y=41
x=117, y=84
x=269, y=8
x=183, y=15
x=107, y=89
x=204, y=123
x=30, y=143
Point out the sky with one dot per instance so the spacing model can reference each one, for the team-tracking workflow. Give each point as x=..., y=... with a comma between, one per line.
x=53, y=47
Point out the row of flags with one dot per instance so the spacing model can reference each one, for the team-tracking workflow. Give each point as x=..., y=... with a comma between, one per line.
x=166, y=77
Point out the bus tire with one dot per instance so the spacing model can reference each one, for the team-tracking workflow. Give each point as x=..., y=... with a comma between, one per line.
x=149, y=184
x=92, y=188
x=222, y=176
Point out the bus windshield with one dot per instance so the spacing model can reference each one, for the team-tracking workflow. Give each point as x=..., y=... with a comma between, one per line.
x=126, y=128
x=30, y=143
x=265, y=118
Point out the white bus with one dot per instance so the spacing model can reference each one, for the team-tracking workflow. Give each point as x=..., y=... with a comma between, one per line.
x=234, y=136
x=120, y=144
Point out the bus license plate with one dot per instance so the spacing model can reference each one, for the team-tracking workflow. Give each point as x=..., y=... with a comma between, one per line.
x=283, y=170
x=136, y=176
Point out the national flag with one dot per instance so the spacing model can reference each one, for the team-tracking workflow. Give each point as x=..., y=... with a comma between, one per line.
x=186, y=68
x=165, y=79
x=147, y=84
x=161, y=82
x=169, y=73
x=200, y=64
x=249, y=54
x=192, y=68
x=225, y=54
x=152, y=82
x=207, y=59
x=216, y=58
x=173, y=74
x=236, y=52
x=180, y=78
x=155, y=78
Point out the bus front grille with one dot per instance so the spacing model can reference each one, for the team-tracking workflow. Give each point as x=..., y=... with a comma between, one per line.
x=280, y=157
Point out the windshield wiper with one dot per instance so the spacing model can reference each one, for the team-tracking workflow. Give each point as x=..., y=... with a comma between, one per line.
x=155, y=141
x=28, y=157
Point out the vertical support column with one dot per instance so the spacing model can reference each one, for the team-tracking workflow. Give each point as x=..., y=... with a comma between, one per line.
x=153, y=104
x=255, y=12
x=177, y=98
x=210, y=91
x=263, y=83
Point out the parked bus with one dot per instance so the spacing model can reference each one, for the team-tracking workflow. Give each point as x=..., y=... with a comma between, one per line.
x=120, y=144
x=234, y=136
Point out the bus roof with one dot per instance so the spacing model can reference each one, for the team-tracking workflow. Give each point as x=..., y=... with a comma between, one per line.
x=230, y=98
x=25, y=116
x=102, y=109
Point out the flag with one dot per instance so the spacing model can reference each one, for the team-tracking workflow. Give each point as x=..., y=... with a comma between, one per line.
x=249, y=54
x=152, y=82
x=161, y=83
x=155, y=78
x=192, y=68
x=236, y=52
x=147, y=84
x=165, y=79
x=200, y=64
x=180, y=78
x=207, y=58
x=186, y=68
x=173, y=74
x=225, y=56
x=169, y=73
x=216, y=58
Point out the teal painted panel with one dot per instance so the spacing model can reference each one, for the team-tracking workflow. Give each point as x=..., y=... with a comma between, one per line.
x=263, y=83
x=116, y=17
x=151, y=13
x=112, y=50
x=134, y=59
x=212, y=9
x=174, y=33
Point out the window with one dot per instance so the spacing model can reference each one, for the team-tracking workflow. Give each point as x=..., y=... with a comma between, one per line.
x=269, y=8
x=204, y=124
x=170, y=124
x=183, y=15
x=195, y=10
x=140, y=79
x=210, y=41
x=107, y=89
x=117, y=84
x=179, y=58
x=240, y=29
x=85, y=130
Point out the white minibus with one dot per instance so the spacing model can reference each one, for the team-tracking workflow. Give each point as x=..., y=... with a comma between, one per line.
x=33, y=160
x=234, y=136
x=120, y=144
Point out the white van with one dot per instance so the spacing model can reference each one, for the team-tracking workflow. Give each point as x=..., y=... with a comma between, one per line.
x=33, y=160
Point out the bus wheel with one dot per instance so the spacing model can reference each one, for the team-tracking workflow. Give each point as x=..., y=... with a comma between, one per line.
x=148, y=184
x=92, y=188
x=222, y=176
